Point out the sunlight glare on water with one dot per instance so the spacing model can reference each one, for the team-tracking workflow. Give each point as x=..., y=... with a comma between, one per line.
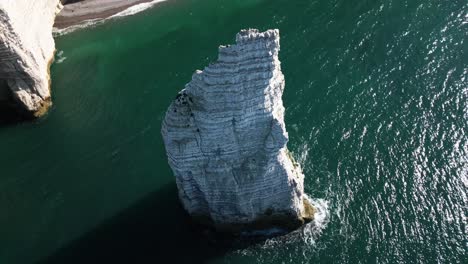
x=376, y=104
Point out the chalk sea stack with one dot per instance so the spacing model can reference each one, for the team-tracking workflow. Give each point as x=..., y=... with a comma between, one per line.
x=225, y=139
x=26, y=52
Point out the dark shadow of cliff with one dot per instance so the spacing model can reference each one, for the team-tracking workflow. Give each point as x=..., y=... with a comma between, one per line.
x=9, y=112
x=66, y=2
x=155, y=229
x=9, y=115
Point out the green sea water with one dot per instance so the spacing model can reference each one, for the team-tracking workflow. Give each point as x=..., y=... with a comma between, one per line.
x=376, y=104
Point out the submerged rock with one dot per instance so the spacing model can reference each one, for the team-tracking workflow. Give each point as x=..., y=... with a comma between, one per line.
x=26, y=51
x=225, y=139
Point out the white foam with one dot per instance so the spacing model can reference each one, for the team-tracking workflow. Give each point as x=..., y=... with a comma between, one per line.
x=60, y=57
x=84, y=24
x=136, y=9
x=94, y=22
x=309, y=234
x=321, y=218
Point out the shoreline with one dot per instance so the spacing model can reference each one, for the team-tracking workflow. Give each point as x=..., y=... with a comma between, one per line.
x=81, y=13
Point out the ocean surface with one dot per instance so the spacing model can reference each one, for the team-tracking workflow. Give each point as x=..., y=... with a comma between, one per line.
x=376, y=104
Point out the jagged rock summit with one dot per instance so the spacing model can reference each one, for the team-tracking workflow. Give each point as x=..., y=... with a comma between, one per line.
x=225, y=140
x=26, y=52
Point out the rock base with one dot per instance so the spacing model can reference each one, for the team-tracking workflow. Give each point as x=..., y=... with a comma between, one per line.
x=270, y=223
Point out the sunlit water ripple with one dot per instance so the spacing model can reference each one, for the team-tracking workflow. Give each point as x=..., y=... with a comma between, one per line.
x=376, y=109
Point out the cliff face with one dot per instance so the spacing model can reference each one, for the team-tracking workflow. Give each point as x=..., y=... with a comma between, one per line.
x=225, y=139
x=27, y=49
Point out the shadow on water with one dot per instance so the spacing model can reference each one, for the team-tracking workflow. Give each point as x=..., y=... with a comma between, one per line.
x=156, y=228
x=9, y=114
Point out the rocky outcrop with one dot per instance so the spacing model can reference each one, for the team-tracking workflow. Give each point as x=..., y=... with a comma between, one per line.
x=225, y=140
x=26, y=51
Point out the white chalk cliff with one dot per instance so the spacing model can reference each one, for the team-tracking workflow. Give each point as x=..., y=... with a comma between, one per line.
x=26, y=51
x=225, y=139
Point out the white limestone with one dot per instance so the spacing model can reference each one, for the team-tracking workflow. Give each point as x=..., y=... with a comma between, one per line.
x=225, y=139
x=26, y=50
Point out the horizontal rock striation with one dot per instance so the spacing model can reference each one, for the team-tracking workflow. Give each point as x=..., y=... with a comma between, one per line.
x=26, y=52
x=225, y=139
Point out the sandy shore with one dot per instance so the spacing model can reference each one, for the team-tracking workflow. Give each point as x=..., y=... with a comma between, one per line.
x=76, y=13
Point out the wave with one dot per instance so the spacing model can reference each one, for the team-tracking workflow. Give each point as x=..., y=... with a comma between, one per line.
x=136, y=9
x=84, y=24
x=321, y=218
x=60, y=58
x=310, y=232
x=132, y=10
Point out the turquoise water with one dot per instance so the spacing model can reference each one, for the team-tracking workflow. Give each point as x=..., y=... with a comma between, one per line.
x=376, y=109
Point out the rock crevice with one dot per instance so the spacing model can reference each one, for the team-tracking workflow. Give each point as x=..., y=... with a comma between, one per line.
x=225, y=139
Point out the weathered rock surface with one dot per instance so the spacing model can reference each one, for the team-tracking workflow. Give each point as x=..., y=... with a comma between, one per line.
x=26, y=51
x=225, y=139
